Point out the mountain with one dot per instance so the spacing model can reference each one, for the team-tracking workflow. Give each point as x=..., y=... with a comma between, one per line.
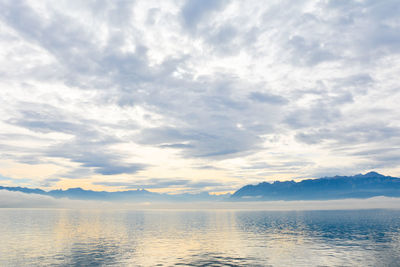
x=79, y=193
x=339, y=187
x=129, y=195
x=24, y=190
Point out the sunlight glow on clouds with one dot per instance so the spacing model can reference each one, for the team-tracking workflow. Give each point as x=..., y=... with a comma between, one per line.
x=201, y=95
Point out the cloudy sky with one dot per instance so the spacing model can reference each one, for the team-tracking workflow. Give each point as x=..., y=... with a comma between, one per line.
x=196, y=95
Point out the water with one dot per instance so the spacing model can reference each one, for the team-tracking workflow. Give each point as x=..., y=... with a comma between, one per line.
x=45, y=237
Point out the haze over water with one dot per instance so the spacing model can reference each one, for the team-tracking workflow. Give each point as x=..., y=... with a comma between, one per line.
x=63, y=237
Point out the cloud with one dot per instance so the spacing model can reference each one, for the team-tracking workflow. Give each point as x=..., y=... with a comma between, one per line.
x=108, y=88
x=267, y=98
x=309, y=53
x=49, y=182
x=87, y=145
x=90, y=153
x=221, y=142
x=194, y=11
x=18, y=181
x=351, y=134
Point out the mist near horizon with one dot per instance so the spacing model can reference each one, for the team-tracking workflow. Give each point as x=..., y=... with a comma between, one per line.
x=10, y=199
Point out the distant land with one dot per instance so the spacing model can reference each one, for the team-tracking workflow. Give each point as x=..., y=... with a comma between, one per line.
x=368, y=185
x=129, y=195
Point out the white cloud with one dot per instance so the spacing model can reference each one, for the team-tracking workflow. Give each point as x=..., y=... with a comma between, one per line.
x=116, y=88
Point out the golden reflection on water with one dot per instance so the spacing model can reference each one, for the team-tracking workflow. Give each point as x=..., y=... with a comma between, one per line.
x=34, y=237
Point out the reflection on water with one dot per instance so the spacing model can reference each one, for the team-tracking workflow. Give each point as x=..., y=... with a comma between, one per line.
x=34, y=237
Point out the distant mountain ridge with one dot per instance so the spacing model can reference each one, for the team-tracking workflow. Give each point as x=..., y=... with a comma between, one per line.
x=338, y=187
x=129, y=195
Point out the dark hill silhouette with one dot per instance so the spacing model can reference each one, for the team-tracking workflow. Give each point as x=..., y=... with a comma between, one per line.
x=338, y=187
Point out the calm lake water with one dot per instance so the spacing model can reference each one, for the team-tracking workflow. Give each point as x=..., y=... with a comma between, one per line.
x=45, y=237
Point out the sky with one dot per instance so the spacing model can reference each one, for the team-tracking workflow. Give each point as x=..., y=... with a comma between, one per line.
x=196, y=95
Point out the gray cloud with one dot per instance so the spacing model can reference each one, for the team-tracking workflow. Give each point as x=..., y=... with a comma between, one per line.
x=49, y=182
x=352, y=134
x=307, y=52
x=88, y=146
x=221, y=142
x=90, y=153
x=267, y=98
x=194, y=11
x=316, y=115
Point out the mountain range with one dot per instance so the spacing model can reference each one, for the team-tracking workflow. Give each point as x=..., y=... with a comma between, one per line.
x=129, y=195
x=338, y=187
